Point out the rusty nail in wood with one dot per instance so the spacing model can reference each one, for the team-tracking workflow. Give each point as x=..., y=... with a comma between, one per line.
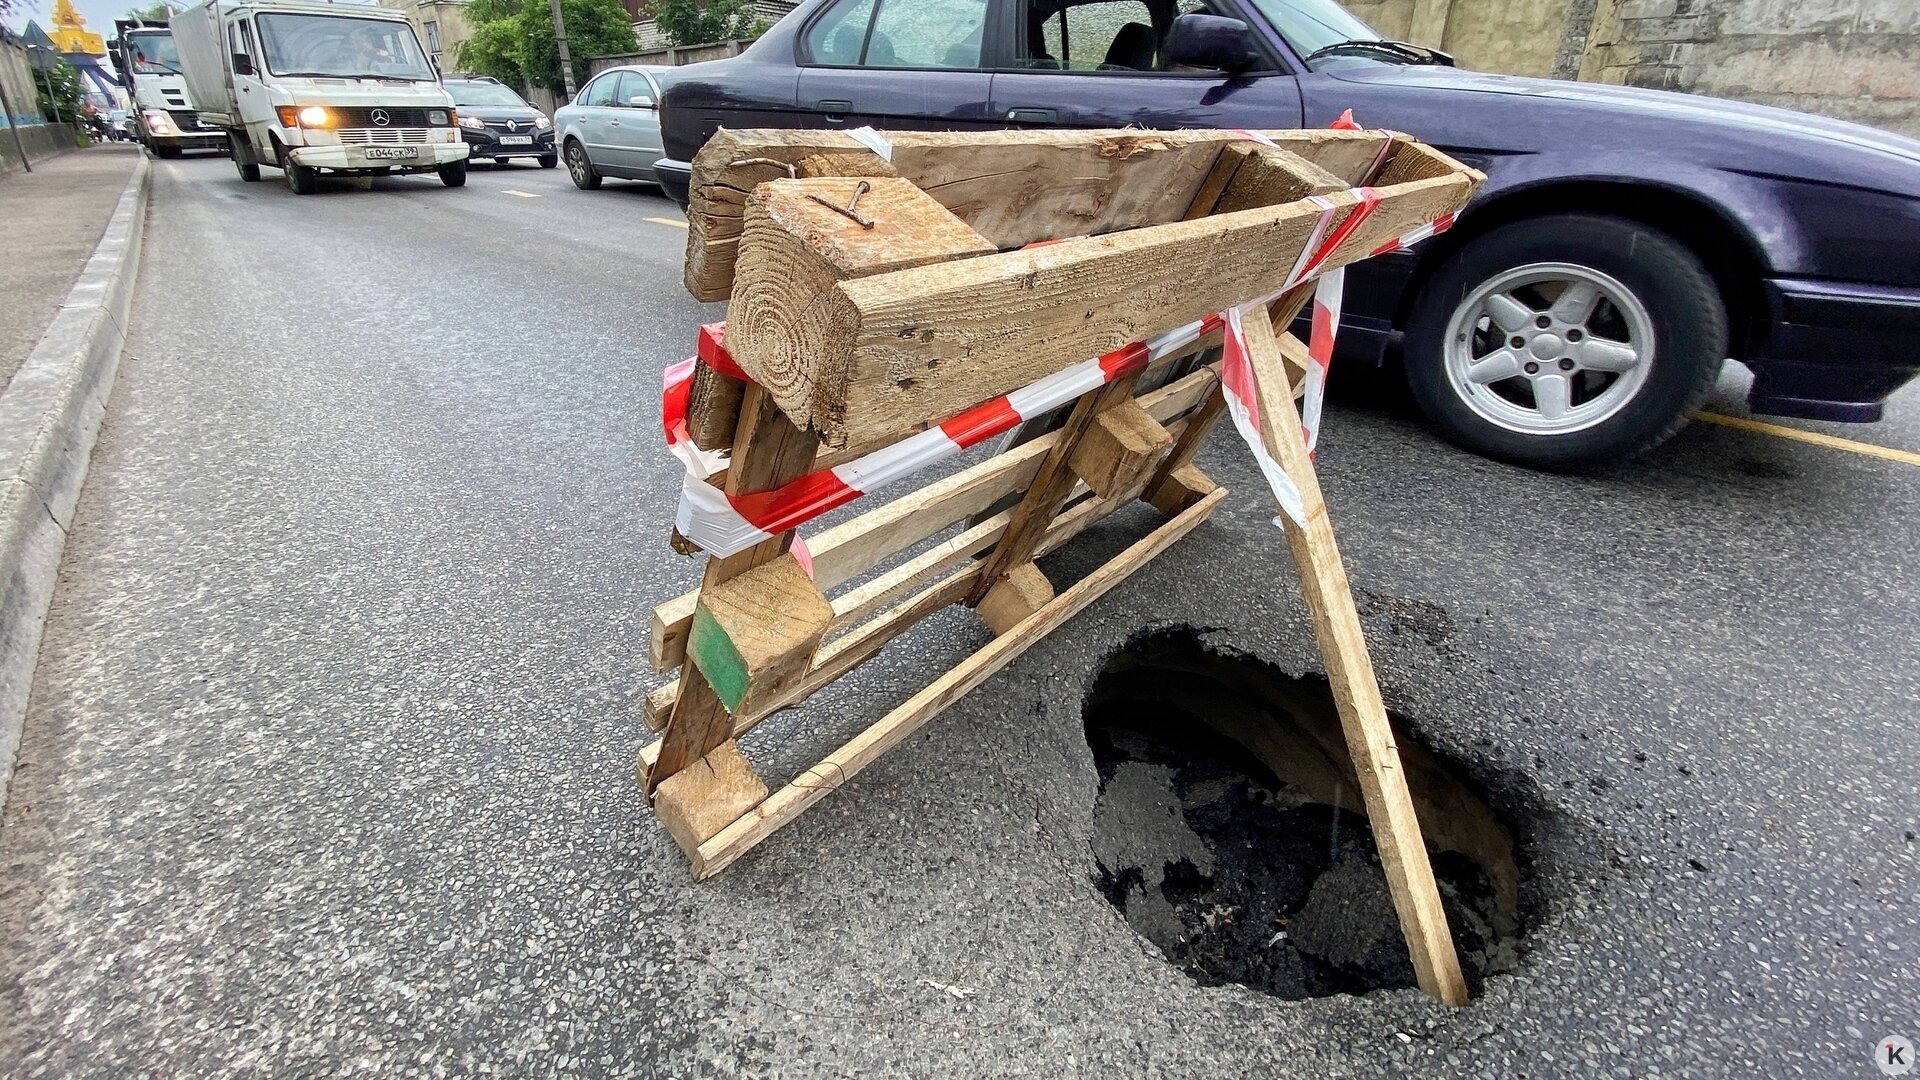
x=858, y=190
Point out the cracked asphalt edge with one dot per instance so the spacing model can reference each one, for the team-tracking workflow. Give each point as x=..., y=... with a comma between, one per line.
x=49, y=416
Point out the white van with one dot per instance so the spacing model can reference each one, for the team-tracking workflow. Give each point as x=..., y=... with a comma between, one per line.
x=307, y=87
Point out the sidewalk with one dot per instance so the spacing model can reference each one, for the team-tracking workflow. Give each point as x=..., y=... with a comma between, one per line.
x=50, y=221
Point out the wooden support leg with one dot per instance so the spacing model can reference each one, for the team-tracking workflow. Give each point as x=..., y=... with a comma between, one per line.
x=707, y=796
x=1163, y=490
x=1024, y=592
x=1363, y=716
x=768, y=450
x=1120, y=444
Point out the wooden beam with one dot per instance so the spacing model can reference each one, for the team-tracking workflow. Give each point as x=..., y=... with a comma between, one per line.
x=768, y=451
x=1356, y=694
x=1050, y=487
x=843, y=764
x=1121, y=442
x=1269, y=176
x=1022, y=592
x=753, y=636
x=877, y=354
x=855, y=546
x=1013, y=187
x=796, y=247
x=700, y=800
x=1179, y=489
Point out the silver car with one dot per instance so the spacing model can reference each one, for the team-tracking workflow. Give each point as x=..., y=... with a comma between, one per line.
x=612, y=127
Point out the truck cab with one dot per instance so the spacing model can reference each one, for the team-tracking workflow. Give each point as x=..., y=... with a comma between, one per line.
x=164, y=119
x=311, y=88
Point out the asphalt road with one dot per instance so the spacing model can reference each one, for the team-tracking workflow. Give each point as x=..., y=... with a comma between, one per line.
x=329, y=761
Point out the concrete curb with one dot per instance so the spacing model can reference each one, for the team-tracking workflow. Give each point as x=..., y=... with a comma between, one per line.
x=49, y=416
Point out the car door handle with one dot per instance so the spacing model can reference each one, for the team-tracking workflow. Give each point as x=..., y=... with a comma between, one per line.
x=836, y=111
x=1033, y=116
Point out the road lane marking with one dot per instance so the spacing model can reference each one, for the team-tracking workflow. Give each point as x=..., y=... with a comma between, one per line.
x=675, y=222
x=522, y=194
x=1779, y=431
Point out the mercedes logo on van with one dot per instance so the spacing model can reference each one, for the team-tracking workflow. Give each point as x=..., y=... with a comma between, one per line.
x=380, y=118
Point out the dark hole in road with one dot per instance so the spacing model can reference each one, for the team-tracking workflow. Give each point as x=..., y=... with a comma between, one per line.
x=1229, y=833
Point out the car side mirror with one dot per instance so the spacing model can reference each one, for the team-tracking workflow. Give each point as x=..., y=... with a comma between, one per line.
x=242, y=64
x=1209, y=41
x=640, y=101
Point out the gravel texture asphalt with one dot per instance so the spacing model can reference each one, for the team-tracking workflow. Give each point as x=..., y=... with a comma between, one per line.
x=328, y=766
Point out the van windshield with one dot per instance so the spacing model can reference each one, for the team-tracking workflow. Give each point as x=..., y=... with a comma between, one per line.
x=341, y=46
x=153, y=53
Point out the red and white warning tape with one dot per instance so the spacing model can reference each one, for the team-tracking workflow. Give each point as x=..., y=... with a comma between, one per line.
x=725, y=524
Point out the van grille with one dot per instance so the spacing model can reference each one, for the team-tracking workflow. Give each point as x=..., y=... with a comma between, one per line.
x=386, y=136
x=397, y=116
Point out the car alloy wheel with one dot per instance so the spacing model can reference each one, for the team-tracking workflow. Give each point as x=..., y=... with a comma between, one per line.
x=1549, y=348
x=578, y=167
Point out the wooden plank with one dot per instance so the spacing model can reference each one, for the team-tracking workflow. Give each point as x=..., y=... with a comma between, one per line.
x=753, y=636
x=854, y=546
x=768, y=450
x=1022, y=592
x=877, y=353
x=700, y=800
x=837, y=657
x=1356, y=694
x=1050, y=487
x=1121, y=442
x=843, y=764
x=1269, y=176
x=1014, y=187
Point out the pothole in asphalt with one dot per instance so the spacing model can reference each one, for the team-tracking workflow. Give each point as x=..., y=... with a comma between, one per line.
x=1229, y=832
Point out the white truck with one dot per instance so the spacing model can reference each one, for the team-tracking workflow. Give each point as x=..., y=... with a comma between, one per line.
x=164, y=119
x=310, y=87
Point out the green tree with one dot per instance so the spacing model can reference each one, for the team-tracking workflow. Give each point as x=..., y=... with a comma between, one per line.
x=64, y=101
x=698, y=22
x=513, y=39
x=156, y=12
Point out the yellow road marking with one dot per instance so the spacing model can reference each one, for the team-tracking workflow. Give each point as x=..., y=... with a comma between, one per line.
x=1816, y=438
x=676, y=222
x=522, y=194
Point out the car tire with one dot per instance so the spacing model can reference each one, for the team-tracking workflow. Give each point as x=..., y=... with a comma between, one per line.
x=585, y=176
x=241, y=151
x=548, y=161
x=301, y=179
x=1566, y=342
x=453, y=174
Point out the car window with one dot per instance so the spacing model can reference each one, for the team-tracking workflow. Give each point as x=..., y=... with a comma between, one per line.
x=1115, y=36
x=600, y=91
x=899, y=34
x=632, y=85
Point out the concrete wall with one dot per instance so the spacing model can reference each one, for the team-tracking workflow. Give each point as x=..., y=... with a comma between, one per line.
x=668, y=56
x=1854, y=59
x=40, y=138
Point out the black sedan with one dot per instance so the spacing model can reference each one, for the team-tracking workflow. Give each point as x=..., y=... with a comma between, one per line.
x=497, y=123
x=1625, y=244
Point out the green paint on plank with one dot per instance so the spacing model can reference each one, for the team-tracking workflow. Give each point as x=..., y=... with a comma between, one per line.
x=717, y=658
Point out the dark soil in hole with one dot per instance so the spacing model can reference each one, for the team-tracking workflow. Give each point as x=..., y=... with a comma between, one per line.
x=1228, y=830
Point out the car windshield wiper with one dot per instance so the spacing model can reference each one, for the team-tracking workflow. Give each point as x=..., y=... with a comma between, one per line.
x=349, y=75
x=1400, y=50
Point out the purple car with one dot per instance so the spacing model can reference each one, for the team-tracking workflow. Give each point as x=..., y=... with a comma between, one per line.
x=1627, y=241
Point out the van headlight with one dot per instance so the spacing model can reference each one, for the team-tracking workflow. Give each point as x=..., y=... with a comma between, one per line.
x=314, y=116
x=437, y=117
